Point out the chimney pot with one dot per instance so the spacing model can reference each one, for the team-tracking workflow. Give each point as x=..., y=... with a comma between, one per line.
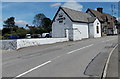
x=100, y=10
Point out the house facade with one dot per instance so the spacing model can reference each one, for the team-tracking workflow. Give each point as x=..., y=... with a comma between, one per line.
x=75, y=25
x=107, y=21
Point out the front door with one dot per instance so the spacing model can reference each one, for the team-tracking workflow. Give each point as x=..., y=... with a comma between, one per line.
x=69, y=34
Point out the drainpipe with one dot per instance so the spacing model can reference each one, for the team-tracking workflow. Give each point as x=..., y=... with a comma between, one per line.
x=88, y=28
x=101, y=29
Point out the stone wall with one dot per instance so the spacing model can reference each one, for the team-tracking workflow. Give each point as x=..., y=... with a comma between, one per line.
x=20, y=43
x=9, y=44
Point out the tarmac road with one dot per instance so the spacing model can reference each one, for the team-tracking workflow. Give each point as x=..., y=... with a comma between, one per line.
x=84, y=58
x=112, y=70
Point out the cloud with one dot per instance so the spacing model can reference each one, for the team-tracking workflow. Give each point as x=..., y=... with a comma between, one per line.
x=118, y=18
x=73, y=5
x=56, y=5
x=21, y=23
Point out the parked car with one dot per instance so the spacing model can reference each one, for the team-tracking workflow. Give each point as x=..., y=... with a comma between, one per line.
x=28, y=35
x=13, y=37
x=39, y=35
x=46, y=35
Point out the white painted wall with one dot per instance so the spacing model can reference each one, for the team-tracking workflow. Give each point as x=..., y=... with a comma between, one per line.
x=91, y=30
x=80, y=31
x=115, y=30
x=20, y=43
x=40, y=41
x=75, y=31
x=95, y=24
x=58, y=29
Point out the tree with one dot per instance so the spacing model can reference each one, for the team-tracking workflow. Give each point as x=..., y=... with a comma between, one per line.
x=9, y=26
x=9, y=23
x=42, y=23
x=32, y=29
x=21, y=32
x=47, y=24
x=38, y=19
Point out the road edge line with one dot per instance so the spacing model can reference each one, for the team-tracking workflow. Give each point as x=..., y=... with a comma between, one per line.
x=107, y=62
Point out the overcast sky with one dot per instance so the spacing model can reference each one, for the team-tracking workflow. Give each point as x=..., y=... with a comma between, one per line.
x=24, y=12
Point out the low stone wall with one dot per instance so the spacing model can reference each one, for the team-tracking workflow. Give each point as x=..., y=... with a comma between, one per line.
x=20, y=43
x=9, y=44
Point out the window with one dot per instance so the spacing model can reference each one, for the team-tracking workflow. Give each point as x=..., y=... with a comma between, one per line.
x=61, y=21
x=60, y=15
x=97, y=29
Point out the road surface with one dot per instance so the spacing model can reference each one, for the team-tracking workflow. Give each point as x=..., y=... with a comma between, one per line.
x=84, y=58
x=112, y=70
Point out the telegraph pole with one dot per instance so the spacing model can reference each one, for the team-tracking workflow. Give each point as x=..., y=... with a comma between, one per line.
x=113, y=12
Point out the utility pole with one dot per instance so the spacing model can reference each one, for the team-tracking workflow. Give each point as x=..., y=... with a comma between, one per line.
x=113, y=12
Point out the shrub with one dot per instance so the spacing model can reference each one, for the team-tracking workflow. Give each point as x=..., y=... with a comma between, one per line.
x=1, y=37
x=6, y=36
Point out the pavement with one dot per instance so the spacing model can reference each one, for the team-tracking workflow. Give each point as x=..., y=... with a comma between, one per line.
x=84, y=58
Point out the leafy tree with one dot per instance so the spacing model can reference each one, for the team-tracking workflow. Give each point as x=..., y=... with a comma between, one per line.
x=0, y=34
x=38, y=19
x=6, y=31
x=9, y=26
x=9, y=23
x=21, y=32
x=42, y=23
x=32, y=29
x=47, y=24
x=6, y=36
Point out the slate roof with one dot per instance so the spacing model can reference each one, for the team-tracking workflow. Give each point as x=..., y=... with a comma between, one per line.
x=110, y=20
x=110, y=17
x=103, y=17
x=97, y=14
x=77, y=16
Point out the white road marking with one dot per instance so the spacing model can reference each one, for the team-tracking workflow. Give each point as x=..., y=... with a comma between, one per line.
x=108, y=60
x=80, y=49
x=32, y=69
x=49, y=62
x=59, y=57
x=70, y=52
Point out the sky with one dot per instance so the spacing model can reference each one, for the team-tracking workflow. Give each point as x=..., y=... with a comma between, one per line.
x=59, y=0
x=24, y=12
